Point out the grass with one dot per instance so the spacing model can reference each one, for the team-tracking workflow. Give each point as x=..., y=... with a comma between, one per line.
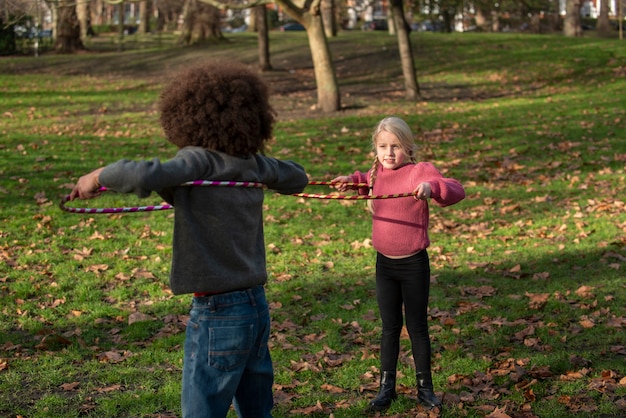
x=527, y=296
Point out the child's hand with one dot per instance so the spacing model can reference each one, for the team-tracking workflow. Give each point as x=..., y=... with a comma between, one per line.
x=422, y=192
x=340, y=183
x=87, y=186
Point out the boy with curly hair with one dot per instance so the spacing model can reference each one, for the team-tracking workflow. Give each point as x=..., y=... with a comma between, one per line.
x=219, y=116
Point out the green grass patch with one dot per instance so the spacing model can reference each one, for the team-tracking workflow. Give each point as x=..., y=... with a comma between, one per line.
x=527, y=296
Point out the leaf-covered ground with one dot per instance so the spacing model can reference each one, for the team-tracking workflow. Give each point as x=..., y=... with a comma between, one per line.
x=527, y=297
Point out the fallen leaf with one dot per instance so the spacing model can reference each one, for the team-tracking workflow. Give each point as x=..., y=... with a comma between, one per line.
x=70, y=386
x=138, y=317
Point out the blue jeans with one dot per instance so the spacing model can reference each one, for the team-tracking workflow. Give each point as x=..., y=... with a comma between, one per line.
x=226, y=356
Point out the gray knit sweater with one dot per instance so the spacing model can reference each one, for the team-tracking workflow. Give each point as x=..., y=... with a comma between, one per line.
x=218, y=243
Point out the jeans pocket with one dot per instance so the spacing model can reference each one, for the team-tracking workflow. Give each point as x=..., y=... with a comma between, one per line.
x=229, y=347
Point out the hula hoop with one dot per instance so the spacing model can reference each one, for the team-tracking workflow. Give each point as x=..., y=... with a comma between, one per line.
x=356, y=197
x=343, y=197
x=152, y=208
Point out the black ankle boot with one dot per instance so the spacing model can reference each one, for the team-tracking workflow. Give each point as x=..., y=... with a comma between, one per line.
x=387, y=392
x=425, y=392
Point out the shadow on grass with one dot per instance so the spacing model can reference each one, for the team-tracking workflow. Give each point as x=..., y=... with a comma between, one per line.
x=334, y=308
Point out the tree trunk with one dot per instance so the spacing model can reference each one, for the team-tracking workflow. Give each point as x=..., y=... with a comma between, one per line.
x=391, y=22
x=201, y=22
x=263, y=37
x=68, y=28
x=328, y=98
x=253, y=19
x=620, y=14
x=603, y=27
x=406, y=51
x=82, y=14
x=328, y=18
x=96, y=14
x=145, y=9
x=327, y=88
x=120, y=27
x=571, y=23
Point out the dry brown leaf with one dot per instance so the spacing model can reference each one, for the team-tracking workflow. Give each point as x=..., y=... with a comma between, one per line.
x=537, y=300
x=139, y=317
x=97, y=268
x=331, y=388
x=584, y=291
x=70, y=386
x=586, y=322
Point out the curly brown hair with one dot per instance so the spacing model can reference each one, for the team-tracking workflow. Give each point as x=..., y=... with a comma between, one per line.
x=222, y=106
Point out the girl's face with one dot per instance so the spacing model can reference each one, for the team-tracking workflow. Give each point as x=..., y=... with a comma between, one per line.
x=389, y=151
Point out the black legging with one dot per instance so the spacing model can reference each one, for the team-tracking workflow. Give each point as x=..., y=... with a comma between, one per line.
x=404, y=281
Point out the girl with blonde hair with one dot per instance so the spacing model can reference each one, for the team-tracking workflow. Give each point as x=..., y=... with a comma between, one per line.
x=400, y=237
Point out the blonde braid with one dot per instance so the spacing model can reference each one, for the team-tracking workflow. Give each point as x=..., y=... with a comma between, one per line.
x=370, y=202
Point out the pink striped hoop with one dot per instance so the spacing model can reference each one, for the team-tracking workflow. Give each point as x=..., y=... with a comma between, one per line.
x=231, y=184
x=154, y=207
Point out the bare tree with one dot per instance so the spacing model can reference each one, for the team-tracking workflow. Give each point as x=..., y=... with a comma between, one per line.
x=260, y=16
x=603, y=26
x=67, y=28
x=571, y=23
x=82, y=13
x=145, y=8
x=168, y=13
x=403, y=31
x=201, y=22
x=308, y=13
x=120, y=26
x=329, y=18
x=328, y=99
x=620, y=16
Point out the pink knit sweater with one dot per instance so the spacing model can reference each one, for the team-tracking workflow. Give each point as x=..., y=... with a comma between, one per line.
x=400, y=225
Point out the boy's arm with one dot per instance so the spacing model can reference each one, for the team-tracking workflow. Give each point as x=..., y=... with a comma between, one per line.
x=145, y=176
x=285, y=177
x=87, y=186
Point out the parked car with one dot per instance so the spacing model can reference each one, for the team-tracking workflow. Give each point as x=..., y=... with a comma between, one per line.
x=427, y=26
x=291, y=26
x=229, y=29
x=376, y=24
x=31, y=32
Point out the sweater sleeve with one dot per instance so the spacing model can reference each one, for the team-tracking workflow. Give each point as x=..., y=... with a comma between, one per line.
x=285, y=177
x=444, y=191
x=361, y=177
x=145, y=176
x=138, y=177
x=193, y=163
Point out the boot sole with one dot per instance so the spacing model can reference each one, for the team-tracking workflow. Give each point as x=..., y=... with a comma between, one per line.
x=373, y=408
x=429, y=406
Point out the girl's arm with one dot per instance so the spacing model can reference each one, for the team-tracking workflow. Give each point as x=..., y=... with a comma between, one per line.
x=357, y=177
x=444, y=191
x=423, y=191
x=340, y=183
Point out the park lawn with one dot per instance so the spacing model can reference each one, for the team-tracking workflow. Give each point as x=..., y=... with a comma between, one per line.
x=527, y=296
